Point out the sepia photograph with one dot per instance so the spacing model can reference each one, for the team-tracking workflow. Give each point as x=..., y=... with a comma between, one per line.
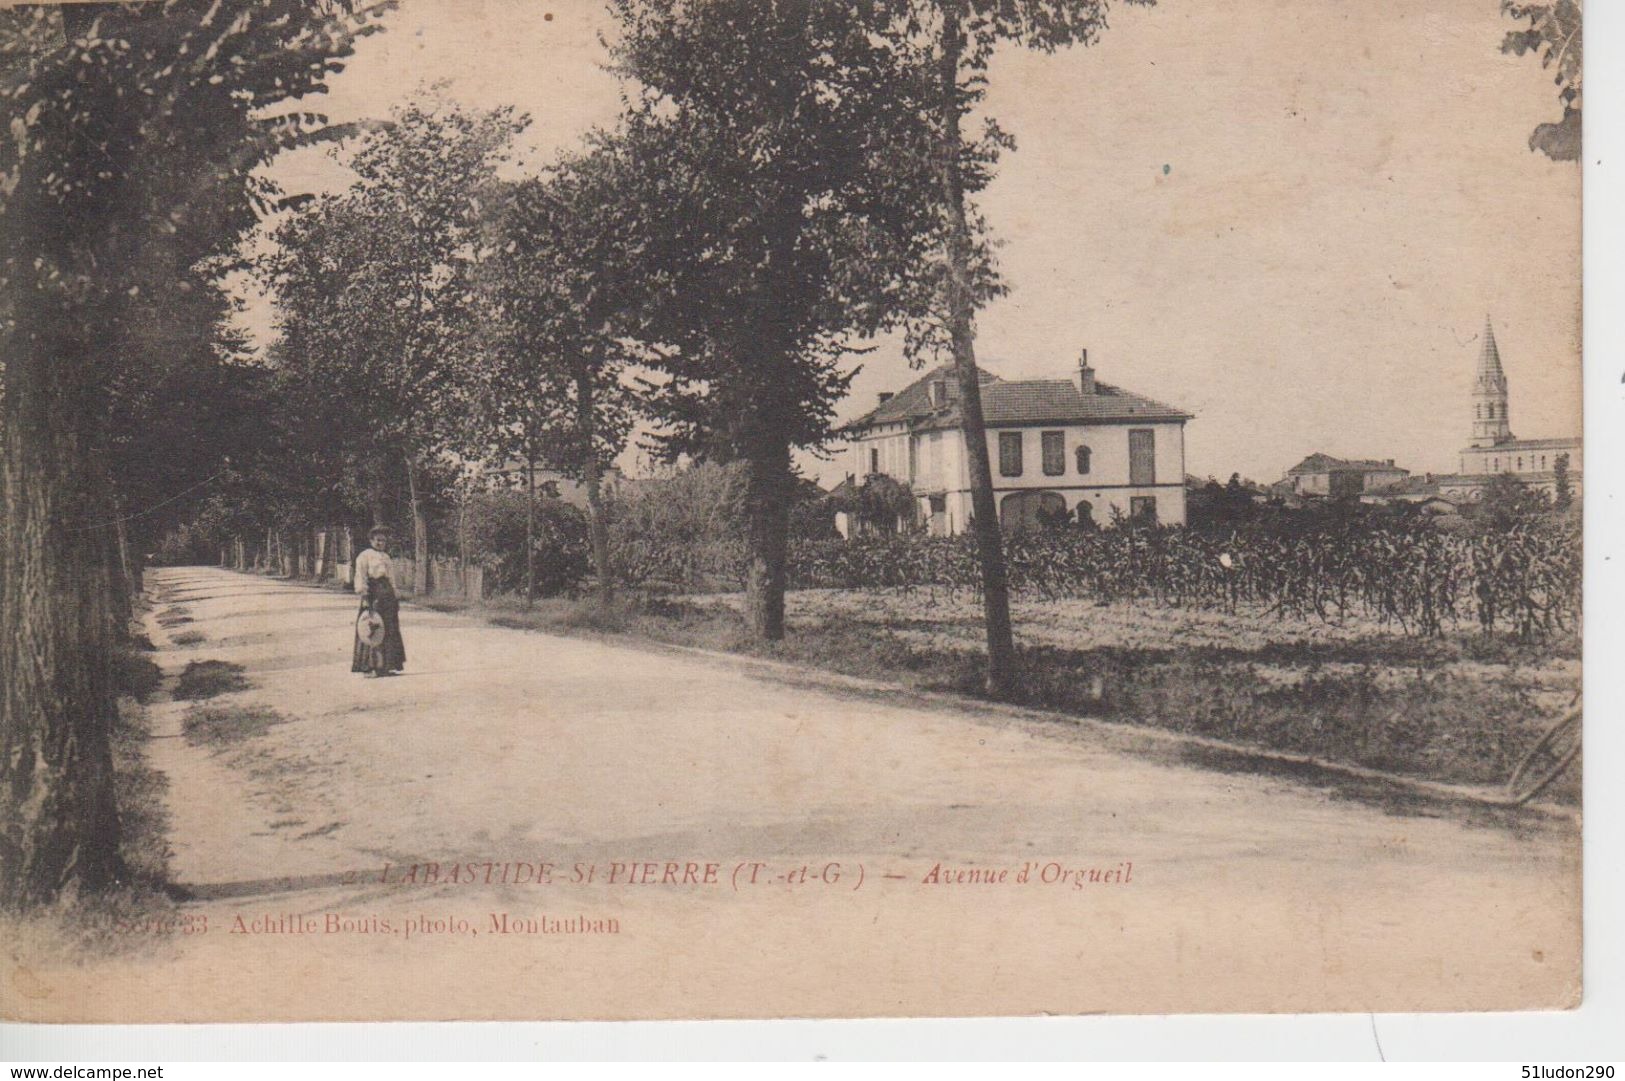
x=531, y=510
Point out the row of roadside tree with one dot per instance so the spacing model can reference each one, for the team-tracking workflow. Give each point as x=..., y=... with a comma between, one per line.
x=788, y=179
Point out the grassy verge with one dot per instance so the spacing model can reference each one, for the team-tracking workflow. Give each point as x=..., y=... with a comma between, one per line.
x=226, y=726
x=1439, y=725
x=139, y=794
x=1453, y=710
x=205, y=679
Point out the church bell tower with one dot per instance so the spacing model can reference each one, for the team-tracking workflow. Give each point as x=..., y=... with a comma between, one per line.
x=1490, y=425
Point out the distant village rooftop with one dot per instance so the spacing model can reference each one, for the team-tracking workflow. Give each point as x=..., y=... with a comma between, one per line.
x=1325, y=463
x=1322, y=475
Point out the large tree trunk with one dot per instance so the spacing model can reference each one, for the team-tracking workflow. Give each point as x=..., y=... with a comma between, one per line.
x=530, y=531
x=59, y=828
x=767, y=511
x=420, y=531
x=377, y=479
x=462, y=536
x=1001, y=654
x=136, y=563
x=124, y=581
x=592, y=479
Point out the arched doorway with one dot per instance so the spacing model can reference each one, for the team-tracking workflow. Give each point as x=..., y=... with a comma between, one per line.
x=1029, y=510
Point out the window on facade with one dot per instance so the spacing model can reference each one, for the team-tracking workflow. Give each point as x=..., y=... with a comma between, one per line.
x=1344, y=484
x=1082, y=454
x=1520, y=463
x=1142, y=456
x=1053, y=445
x=931, y=471
x=1143, y=509
x=1009, y=454
x=874, y=459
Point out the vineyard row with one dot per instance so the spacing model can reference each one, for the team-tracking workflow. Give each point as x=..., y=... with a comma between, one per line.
x=1525, y=580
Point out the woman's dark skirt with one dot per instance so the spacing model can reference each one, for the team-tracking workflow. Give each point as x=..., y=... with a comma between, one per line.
x=391, y=655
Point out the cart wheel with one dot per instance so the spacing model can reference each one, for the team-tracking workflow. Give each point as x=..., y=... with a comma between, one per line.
x=1546, y=761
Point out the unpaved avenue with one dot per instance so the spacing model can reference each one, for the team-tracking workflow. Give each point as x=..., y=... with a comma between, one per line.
x=511, y=749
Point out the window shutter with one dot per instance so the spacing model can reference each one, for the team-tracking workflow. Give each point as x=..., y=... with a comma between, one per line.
x=1009, y=454
x=1142, y=456
x=1053, y=445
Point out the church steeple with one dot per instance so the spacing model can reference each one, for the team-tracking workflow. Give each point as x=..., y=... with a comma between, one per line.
x=1490, y=424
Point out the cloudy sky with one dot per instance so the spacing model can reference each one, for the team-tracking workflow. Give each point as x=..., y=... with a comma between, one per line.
x=1289, y=217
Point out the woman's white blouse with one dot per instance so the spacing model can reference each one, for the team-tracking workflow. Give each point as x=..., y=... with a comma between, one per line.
x=370, y=564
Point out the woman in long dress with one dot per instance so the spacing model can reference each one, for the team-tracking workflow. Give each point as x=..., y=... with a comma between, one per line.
x=375, y=583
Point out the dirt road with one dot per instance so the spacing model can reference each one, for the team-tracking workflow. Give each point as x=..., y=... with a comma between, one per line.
x=682, y=837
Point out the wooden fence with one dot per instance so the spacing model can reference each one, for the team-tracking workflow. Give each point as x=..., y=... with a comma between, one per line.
x=326, y=554
x=447, y=578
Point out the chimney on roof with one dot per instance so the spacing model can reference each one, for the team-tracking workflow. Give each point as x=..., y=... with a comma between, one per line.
x=885, y=396
x=1086, y=374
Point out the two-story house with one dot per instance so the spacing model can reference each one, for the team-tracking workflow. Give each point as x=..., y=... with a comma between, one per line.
x=1074, y=448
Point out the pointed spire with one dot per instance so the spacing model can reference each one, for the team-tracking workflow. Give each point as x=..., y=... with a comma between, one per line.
x=1490, y=426
x=1489, y=357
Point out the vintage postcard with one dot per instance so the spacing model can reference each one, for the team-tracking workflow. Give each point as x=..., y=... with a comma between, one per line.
x=612, y=509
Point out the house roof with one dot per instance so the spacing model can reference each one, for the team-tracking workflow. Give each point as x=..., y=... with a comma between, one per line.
x=1421, y=484
x=846, y=489
x=1014, y=402
x=913, y=401
x=1325, y=463
x=1568, y=443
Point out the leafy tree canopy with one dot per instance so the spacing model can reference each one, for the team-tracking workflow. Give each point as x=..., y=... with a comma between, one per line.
x=556, y=277
x=372, y=283
x=1554, y=35
x=784, y=155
